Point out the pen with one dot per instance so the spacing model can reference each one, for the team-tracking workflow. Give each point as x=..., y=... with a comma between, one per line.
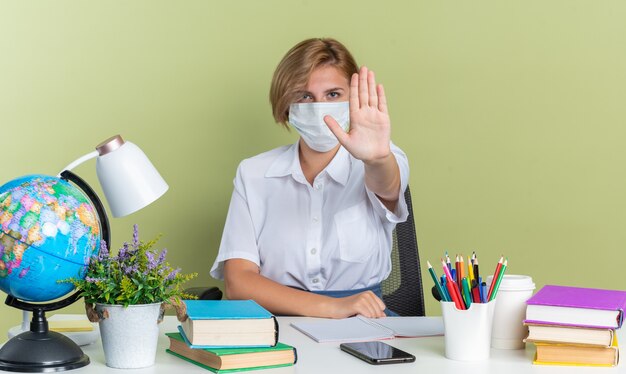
x=483, y=287
x=495, y=276
x=476, y=274
x=437, y=285
x=444, y=288
x=480, y=289
x=499, y=280
x=475, y=291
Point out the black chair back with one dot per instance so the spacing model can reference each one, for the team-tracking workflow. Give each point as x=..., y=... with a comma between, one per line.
x=403, y=289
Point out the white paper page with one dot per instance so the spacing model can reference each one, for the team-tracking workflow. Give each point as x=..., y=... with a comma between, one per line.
x=411, y=327
x=352, y=329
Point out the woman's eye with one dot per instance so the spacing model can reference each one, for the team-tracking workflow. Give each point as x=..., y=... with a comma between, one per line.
x=334, y=95
x=305, y=98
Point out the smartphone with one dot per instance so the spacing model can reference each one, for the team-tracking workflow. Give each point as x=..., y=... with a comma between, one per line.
x=377, y=353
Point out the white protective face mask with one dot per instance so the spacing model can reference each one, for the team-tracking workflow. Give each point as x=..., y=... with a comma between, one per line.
x=308, y=120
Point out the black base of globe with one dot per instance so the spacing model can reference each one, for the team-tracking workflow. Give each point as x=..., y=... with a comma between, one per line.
x=38, y=352
x=41, y=350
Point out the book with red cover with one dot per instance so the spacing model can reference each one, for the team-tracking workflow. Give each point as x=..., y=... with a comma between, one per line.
x=578, y=306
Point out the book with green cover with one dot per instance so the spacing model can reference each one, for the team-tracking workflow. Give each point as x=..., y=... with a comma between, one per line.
x=225, y=360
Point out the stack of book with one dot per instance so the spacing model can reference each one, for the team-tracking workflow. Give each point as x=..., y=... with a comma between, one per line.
x=230, y=335
x=575, y=325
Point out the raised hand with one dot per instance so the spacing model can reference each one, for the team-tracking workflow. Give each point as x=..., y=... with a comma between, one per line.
x=370, y=128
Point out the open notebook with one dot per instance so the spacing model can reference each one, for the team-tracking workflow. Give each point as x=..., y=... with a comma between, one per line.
x=355, y=329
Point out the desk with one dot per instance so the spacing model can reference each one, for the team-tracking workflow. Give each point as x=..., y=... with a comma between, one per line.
x=327, y=358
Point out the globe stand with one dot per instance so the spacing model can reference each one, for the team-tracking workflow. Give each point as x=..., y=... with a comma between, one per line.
x=40, y=350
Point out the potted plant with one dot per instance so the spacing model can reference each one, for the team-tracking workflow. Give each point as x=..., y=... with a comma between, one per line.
x=127, y=294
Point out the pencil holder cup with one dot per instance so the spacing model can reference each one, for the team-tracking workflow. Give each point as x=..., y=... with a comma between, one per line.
x=468, y=332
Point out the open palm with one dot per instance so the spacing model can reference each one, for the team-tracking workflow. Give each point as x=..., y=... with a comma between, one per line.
x=370, y=128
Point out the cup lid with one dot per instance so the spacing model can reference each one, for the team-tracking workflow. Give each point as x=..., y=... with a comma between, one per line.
x=512, y=282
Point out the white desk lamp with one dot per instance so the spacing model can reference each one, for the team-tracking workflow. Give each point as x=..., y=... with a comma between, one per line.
x=130, y=182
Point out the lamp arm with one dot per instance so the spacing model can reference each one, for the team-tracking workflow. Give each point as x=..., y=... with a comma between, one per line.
x=79, y=161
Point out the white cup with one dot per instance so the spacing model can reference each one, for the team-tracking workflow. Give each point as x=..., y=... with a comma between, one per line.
x=509, y=331
x=467, y=332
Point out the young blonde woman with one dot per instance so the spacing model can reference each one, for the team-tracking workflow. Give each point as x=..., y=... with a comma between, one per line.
x=309, y=228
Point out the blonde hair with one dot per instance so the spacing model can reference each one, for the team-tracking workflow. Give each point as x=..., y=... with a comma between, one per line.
x=293, y=71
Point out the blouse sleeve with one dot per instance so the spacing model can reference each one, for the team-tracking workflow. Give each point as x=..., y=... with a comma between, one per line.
x=238, y=238
x=401, y=212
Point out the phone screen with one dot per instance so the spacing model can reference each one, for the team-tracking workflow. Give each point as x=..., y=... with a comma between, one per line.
x=377, y=352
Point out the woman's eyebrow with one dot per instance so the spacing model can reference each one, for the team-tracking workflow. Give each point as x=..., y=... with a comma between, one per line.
x=333, y=89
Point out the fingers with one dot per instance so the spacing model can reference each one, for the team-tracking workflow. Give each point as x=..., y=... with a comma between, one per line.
x=380, y=306
x=336, y=129
x=382, y=99
x=363, y=87
x=364, y=91
x=365, y=303
x=370, y=305
x=354, y=92
x=371, y=87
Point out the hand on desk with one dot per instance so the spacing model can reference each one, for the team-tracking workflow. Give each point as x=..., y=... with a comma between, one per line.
x=365, y=303
x=244, y=281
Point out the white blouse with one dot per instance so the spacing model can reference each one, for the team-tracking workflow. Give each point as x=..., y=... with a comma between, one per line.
x=332, y=235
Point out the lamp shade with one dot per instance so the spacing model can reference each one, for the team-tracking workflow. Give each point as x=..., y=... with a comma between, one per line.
x=128, y=178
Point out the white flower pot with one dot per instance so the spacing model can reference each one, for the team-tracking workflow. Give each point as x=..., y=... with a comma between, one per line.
x=129, y=335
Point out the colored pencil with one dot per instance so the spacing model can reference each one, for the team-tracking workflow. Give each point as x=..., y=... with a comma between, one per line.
x=495, y=277
x=437, y=285
x=499, y=280
x=446, y=271
x=454, y=295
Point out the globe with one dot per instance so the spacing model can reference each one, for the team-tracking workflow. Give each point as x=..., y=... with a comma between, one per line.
x=48, y=231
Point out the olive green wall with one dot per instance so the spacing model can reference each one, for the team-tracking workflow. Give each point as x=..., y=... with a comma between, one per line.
x=511, y=113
